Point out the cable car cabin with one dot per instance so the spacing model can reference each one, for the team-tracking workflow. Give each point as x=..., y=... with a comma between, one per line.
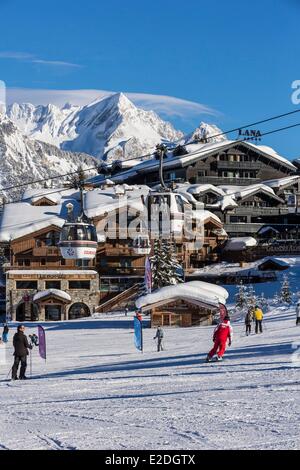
x=78, y=240
x=141, y=245
x=165, y=213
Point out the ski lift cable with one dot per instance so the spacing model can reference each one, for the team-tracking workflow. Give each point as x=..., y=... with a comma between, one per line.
x=97, y=166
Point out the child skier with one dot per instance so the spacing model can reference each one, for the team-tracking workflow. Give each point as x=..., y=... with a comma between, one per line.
x=248, y=320
x=159, y=336
x=222, y=333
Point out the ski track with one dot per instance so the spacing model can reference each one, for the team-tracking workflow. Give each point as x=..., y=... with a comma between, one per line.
x=103, y=394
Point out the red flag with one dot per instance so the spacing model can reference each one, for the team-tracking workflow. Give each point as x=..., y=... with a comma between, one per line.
x=42, y=342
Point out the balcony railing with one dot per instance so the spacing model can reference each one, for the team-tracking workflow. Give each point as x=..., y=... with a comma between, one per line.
x=239, y=165
x=243, y=227
x=222, y=180
x=249, y=210
x=45, y=251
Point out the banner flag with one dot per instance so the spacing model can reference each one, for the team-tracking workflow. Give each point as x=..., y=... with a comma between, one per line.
x=138, y=333
x=148, y=276
x=42, y=342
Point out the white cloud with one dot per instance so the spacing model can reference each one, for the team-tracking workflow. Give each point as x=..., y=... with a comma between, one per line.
x=168, y=106
x=31, y=58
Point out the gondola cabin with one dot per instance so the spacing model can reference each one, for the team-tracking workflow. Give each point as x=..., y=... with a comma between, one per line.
x=78, y=240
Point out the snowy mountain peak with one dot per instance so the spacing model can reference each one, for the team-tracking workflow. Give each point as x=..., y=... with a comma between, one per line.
x=24, y=159
x=205, y=132
x=109, y=128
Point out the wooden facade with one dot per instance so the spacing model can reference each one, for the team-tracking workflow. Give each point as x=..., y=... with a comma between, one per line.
x=233, y=163
x=180, y=313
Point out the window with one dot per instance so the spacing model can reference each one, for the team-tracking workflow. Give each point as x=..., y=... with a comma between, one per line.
x=202, y=173
x=23, y=262
x=78, y=310
x=180, y=204
x=82, y=263
x=63, y=262
x=238, y=219
x=26, y=285
x=125, y=263
x=43, y=262
x=79, y=285
x=52, y=284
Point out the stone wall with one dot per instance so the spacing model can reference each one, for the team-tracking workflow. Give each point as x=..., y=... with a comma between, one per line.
x=15, y=297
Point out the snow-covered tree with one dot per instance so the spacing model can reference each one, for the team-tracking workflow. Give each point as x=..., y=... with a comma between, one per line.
x=251, y=297
x=164, y=264
x=285, y=292
x=241, y=296
x=262, y=302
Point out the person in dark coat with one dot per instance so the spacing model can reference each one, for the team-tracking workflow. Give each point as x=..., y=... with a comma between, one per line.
x=21, y=345
x=248, y=321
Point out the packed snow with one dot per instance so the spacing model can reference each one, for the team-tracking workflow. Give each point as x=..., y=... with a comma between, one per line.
x=97, y=392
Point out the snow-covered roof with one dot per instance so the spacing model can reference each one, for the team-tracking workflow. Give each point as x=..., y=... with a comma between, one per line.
x=22, y=218
x=101, y=201
x=280, y=182
x=204, y=215
x=267, y=229
x=254, y=189
x=202, y=292
x=271, y=153
x=203, y=188
x=56, y=292
x=240, y=243
x=278, y=261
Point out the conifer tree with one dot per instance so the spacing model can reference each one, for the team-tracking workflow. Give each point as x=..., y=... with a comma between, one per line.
x=241, y=296
x=165, y=267
x=285, y=292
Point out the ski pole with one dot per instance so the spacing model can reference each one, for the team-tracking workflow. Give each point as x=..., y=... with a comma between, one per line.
x=9, y=372
x=30, y=364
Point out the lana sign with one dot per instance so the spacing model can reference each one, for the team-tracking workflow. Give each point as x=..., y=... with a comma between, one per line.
x=250, y=134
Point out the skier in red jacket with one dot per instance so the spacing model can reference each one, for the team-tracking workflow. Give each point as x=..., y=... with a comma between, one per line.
x=222, y=333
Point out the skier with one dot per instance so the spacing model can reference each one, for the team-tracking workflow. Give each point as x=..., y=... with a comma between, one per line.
x=5, y=333
x=222, y=333
x=21, y=345
x=248, y=320
x=298, y=313
x=258, y=314
x=159, y=336
x=126, y=311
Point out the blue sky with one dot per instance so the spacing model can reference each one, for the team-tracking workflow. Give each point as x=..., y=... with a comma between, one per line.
x=232, y=62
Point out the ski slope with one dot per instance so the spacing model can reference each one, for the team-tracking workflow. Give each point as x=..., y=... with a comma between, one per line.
x=97, y=392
